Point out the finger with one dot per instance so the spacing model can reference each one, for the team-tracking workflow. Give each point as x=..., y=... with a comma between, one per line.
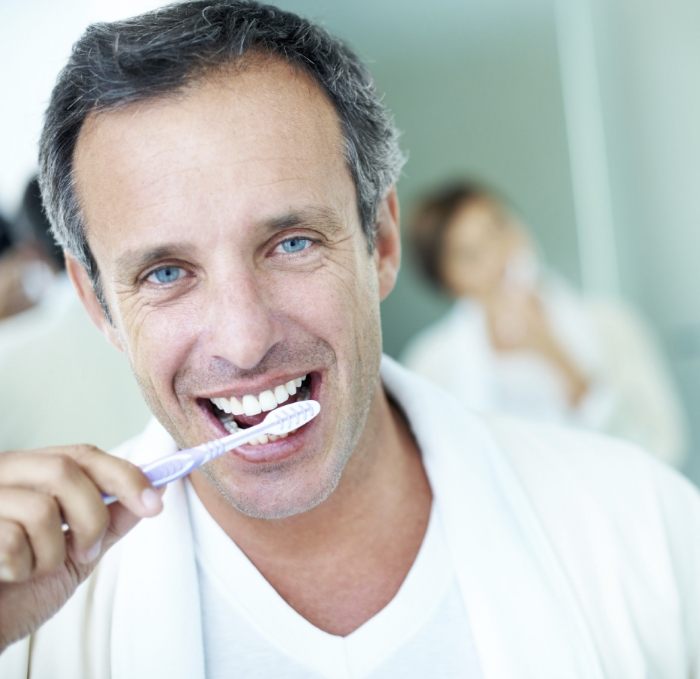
x=120, y=478
x=39, y=516
x=112, y=475
x=77, y=476
x=61, y=477
x=16, y=559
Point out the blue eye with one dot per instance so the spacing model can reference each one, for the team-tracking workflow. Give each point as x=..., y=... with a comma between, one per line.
x=292, y=245
x=166, y=274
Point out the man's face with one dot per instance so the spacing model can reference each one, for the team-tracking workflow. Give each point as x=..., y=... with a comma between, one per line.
x=224, y=224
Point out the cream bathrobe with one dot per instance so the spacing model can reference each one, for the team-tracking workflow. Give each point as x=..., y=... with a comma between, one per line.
x=577, y=556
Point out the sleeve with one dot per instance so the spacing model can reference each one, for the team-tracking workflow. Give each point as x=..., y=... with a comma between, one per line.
x=680, y=505
x=635, y=397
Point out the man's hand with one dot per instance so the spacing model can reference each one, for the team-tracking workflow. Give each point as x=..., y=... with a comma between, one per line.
x=40, y=564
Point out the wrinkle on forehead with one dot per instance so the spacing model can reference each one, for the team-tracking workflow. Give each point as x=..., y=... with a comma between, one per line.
x=234, y=93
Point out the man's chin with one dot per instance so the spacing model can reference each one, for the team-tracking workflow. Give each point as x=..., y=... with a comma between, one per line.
x=267, y=502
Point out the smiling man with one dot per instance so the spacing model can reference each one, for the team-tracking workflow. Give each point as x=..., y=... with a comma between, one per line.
x=235, y=270
x=221, y=177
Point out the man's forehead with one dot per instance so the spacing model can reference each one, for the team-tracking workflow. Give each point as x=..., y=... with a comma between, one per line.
x=262, y=82
x=266, y=125
x=261, y=148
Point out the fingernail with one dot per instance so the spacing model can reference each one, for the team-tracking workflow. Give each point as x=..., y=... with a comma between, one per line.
x=91, y=554
x=150, y=499
x=6, y=573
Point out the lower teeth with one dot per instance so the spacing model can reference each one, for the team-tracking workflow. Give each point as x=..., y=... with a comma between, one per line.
x=233, y=428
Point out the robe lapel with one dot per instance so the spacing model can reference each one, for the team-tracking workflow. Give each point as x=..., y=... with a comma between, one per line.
x=157, y=628
x=523, y=613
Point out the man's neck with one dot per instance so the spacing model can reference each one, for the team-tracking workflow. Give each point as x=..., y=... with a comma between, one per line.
x=341, y=562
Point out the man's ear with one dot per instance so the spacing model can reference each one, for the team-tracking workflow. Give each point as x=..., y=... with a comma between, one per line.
x=86, y=291
x=388, y=243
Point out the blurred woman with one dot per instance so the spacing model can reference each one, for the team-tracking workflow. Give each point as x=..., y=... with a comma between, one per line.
x=29, y=258
x=519, y=340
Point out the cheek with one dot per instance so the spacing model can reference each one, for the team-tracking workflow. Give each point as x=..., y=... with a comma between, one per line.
x=159, y=340
x=322, y=311
x=458, y=277
x=356, y=302
x=497, y=266
x=474, y=277
x=336, y=299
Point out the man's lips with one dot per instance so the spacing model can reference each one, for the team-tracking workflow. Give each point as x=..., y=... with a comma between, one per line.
x=225, y=421
x=278, y=450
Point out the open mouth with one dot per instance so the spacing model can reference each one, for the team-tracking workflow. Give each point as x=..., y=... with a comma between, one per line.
x=241, y=412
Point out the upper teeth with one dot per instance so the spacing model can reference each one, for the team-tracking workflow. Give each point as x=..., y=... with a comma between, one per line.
x=254, y=404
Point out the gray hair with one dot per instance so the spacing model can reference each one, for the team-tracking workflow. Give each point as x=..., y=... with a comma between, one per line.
x=114, y=64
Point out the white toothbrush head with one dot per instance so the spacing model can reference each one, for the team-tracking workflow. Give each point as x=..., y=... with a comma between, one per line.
x=286, y=418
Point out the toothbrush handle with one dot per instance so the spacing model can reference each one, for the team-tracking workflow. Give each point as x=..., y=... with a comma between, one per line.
x=171, y=467
x=177, y=465
x=167, y=469
x=163, y=471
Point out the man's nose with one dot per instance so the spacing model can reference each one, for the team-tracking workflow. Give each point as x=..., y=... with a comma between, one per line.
x=242, y=324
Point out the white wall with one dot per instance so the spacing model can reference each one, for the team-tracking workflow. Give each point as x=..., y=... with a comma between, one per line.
x=648, y=54
x=35, y=40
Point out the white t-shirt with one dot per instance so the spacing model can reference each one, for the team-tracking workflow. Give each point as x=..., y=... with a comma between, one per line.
x=250, y=631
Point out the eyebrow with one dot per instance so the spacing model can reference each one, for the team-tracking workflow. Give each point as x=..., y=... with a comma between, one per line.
x=319, y=217
x=138, y=259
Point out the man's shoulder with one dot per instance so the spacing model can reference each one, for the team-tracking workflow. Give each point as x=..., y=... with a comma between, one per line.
x=567, y=474
x=582, y=477
x=556, y=453
x=553, y=451
x=564, y=447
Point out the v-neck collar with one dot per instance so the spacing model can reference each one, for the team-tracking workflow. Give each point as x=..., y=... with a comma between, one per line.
x=356, y=654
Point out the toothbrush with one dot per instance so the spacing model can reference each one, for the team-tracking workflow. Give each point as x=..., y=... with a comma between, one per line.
x=176, y=465
x=278, y=421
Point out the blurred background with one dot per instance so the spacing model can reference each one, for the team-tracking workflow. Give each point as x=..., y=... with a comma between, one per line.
x=586, y=114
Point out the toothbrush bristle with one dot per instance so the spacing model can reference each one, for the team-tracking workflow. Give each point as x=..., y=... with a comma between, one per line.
x=292, y=416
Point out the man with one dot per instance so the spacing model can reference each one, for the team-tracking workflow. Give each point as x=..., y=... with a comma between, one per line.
x=221, y=176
